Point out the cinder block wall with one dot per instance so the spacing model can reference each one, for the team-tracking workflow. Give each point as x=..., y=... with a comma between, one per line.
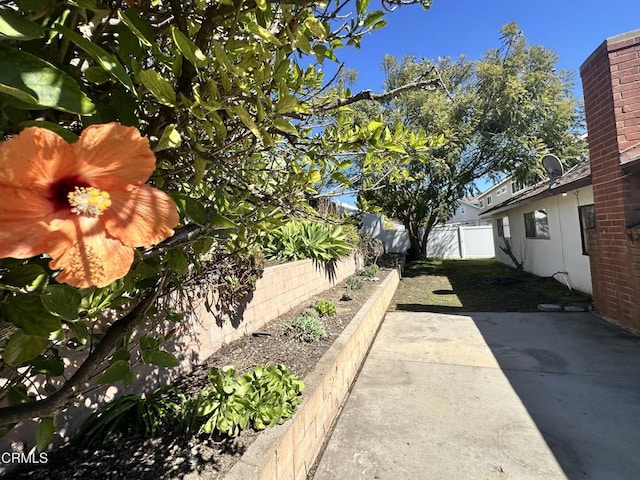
x=281, y=288
x=611, y=82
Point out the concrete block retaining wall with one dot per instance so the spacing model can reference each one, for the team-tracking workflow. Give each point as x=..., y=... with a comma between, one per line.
x=281, y=288
x=288, y=451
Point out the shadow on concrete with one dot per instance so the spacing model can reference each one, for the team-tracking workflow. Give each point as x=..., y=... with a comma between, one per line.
x=579, y=379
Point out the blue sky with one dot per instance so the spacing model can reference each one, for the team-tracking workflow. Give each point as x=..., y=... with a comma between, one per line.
x=570, y=28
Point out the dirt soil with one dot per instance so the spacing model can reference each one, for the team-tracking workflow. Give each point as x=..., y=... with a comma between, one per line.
x=134, y=457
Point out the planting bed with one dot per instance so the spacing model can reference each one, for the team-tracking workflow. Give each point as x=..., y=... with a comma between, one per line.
x=133, y=457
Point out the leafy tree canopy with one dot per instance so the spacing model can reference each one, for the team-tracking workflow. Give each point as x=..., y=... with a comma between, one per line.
x=495, y=116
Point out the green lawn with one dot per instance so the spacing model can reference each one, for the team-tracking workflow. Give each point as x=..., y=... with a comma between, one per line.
x=477, y=286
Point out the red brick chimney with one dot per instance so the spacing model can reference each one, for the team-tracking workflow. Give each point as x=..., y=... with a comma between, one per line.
x=611, y=83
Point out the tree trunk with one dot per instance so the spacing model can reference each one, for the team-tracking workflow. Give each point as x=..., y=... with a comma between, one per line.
x=417, y=239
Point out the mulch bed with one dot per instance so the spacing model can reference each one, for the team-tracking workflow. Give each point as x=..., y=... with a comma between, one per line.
x=132, y=456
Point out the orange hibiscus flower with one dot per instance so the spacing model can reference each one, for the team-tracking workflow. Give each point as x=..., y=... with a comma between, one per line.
x=85, y=204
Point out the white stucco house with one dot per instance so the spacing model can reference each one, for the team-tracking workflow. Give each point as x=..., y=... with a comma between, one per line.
x=545, y=226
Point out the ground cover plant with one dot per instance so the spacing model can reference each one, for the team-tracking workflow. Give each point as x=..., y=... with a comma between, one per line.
x=438, y=285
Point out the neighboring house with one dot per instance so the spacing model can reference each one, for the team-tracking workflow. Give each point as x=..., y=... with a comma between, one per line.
x=543, y=227
x=467, y=213
x=588, y=222
x=499, y=193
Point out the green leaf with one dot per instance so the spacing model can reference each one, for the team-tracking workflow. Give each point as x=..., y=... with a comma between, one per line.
x=287, y=104
x=29, y=277
x=108, y=61
x=40, y=84
x=395, y=148
x=218, y=222
x=118, y=370
x=68, y=135
x=28, y=314
x=263, y=33
x=45, y=432
x=52, y=367
x=188, y=49
x=162, y=359
x=19, y=394
x=190, y=208
x=177, y=261
x=361, y=6
x=245, y=118
x=138, y=26
x=286, y=127
x=170, y=138
x=62, y=301
x=22, y=347
x=16, y=27
x=160, y=88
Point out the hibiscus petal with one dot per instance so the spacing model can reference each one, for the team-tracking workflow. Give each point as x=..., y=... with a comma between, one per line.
x=140, y=217
x=89, y=257
x=35, y=158
x=114, y=156
x=28, y=224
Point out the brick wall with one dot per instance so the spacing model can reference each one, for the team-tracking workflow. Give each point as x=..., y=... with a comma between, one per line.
x=611, y=83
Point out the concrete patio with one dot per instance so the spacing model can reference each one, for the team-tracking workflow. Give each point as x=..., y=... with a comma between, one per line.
x=492, y=396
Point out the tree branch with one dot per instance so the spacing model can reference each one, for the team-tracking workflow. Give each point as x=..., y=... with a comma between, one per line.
x=72, y=388
x=431, y=84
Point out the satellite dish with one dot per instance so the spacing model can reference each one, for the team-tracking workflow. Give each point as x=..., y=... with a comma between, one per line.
x=553, y=166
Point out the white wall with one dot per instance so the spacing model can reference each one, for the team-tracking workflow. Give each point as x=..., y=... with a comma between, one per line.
x=395, y=241
x=562, y=252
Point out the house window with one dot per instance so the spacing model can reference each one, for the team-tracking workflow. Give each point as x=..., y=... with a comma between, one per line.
x=587, y=220
x=503, y=227
x=481, y=203
x=499, y=192
x=461, y=209
x=517, y=186
x=536, y=224
x=489, y=200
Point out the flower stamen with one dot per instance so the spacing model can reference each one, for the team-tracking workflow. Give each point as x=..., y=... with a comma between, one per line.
x=88, y=201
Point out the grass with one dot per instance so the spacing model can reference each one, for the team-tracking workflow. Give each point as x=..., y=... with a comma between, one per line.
x=477, y=286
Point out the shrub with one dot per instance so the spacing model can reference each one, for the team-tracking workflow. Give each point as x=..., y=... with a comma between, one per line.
x=146, y=415
x=369, y=272
x=298, y=240
x=354, y=284
x=325, y=308
x=307, y=328
x=263, y=397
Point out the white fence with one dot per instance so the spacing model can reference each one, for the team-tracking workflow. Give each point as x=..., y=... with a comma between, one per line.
x=461, y=242
x=446, y=241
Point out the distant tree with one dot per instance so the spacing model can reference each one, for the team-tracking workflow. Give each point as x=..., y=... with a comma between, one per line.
x=497, y=115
